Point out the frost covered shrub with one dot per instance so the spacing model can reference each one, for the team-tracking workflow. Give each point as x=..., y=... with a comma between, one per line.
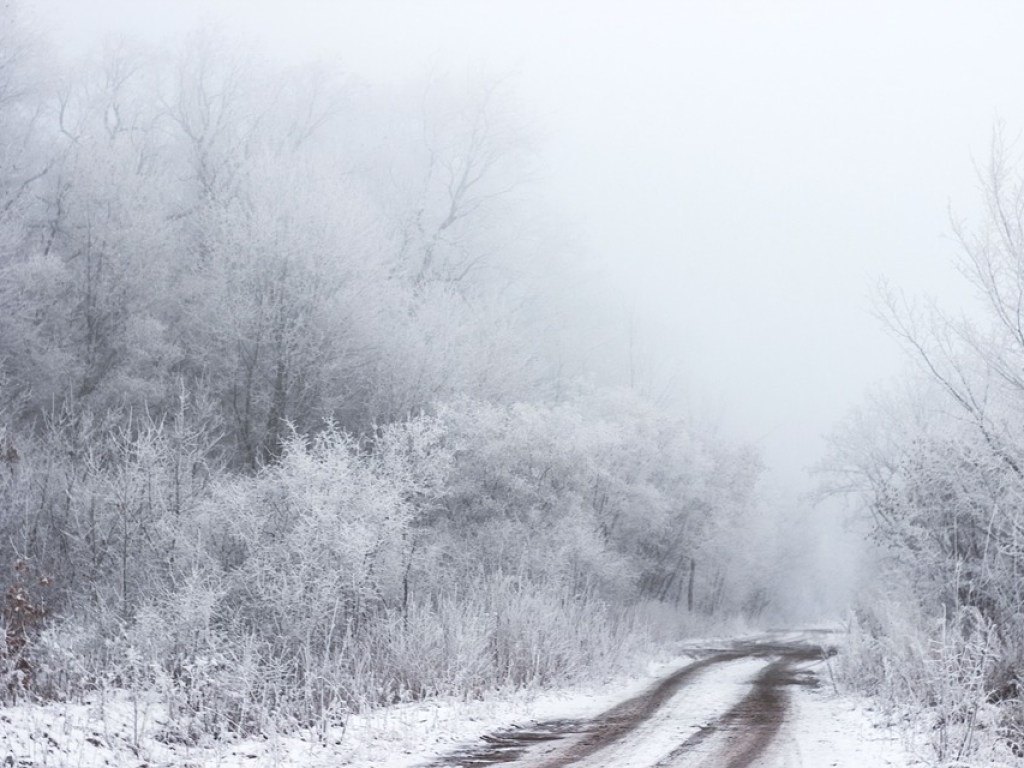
x=316, y=543
x=541, y=636
x=101, y=505
x=484, y=546
x=99, y=508
x=601, y=493
x=943, y=499
x=943, y=669
x=333, y=563
x=502, y=635
x=528, y=494
x=310, y=553
x=324, y=561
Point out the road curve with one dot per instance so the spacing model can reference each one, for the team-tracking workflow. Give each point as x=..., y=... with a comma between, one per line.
x=722, y=711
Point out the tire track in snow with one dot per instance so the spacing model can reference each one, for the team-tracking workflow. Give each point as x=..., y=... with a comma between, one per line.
x=727, y=708
x=578, y=739
x=743, y=735
x=689, y=712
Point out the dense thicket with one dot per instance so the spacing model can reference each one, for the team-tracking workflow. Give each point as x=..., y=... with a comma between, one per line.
x=937, y=467
x=287, y=422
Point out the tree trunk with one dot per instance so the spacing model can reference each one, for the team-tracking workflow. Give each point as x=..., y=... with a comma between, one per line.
x=689, y=586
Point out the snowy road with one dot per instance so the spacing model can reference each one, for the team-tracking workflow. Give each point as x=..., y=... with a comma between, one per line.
x=755, y=703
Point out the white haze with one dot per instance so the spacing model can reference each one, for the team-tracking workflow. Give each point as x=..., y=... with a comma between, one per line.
x=746, y=171
x=743, y=172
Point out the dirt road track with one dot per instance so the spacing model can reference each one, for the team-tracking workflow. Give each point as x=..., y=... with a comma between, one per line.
x=734, y=738
x=745, y=732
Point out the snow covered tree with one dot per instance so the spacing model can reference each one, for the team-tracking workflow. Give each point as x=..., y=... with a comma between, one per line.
x=937, y=468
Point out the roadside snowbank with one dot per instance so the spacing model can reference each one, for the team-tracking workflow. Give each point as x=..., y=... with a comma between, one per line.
x=124, y=730
x=839, y=730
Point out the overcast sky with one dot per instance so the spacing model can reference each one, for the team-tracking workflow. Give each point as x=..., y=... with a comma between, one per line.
x=748, y=170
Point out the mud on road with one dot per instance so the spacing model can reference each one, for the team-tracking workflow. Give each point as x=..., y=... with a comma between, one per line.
x=735, y=738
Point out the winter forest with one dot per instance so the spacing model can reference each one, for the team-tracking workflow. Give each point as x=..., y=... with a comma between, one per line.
x=310, y=408
x=291, y=425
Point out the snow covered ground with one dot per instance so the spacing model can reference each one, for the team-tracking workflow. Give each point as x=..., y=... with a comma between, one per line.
x=839, y=731
x=821, y=728
x=120, y=731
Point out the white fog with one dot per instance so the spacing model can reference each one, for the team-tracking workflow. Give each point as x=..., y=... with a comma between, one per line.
x=442, y=383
